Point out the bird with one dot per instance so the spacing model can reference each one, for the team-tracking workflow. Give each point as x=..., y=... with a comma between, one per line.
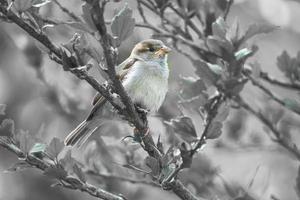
x=144, y=76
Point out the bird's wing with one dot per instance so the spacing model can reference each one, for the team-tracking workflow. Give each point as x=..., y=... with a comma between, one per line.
x=122, y=70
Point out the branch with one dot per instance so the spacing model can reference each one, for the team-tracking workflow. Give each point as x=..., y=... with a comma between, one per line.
x=67, y=182
x=57, y=52
x=212, y=113
x=270, y=94
x=228, y=6
x=271, y=80
x=110, y=57
x=67, y=11
x=279, y=139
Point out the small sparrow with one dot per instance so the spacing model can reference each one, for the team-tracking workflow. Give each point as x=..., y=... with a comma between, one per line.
x=144, y=75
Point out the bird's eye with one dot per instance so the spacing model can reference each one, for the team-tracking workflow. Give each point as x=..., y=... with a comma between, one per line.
x=151, y=49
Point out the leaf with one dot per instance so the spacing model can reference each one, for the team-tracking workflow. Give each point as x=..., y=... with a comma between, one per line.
x=242, y=54
x=153, y=164
x=91, y=45
x=216, y=68
x=22, y=5
x=223, y=112
x=256, y=29
x=219, y=28
x=19, y=166
x=38, y=149
x=184, y=127
x=40, y=3
x=7, y=127
x=287, y=65
x=186, y=156
x=122, y=24
x=292, y=104
x=233, y=32
x=214, y=130
x=68, y=161
x=191, y=87
x=221, y=47
x=56, y=172
x=167, y=171
x=26, y=141
x=205, y=73
x=78, y=171
x=55, y=147
x=2, y=109
x=86, y=15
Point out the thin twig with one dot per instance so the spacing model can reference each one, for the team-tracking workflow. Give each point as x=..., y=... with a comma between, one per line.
x=228, y=6
x=67, y=182
x=270, y=94
x=281, y=141
x=187, y=20
x=67, y=11
x=266, y=77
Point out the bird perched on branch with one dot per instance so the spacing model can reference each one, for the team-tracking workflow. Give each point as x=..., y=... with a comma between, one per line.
x=144, y=75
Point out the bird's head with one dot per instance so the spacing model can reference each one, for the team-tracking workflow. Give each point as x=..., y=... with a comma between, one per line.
x=151, y=50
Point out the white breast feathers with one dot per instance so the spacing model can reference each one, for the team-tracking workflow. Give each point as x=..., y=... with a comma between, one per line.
x=147, y=83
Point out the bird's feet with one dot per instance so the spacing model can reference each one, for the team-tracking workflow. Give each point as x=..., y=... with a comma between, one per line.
x=142, y=112
x=81, y=71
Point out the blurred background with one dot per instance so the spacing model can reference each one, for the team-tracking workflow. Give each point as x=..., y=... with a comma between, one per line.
x=43, y=99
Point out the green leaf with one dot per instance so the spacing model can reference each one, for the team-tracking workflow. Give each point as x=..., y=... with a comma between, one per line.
x=186, y=156
x=167, y=171
x=223, y=112
x=242, y=54
x=184, y=127
x=288, y=65
x=215, y=130
x=292, y=104
x=256, y=29
x=2, y=109
x=153, y=164
x=122, y=24
x=22, y=5
x=205, y=73
x=86, y=15
x=26, y=141
x=68, y=161
x=38, y=149
x=55, y=147
x=221, y=47
x=219, y=28
x=191, y=87
x=78, y=171
x=233, y=32
x=216, y=68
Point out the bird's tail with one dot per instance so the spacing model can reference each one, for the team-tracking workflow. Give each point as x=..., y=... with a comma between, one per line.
x=80, y=134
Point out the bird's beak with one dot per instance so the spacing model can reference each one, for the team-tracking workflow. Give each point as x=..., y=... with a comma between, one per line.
x=163, y=51
x=166, y=49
